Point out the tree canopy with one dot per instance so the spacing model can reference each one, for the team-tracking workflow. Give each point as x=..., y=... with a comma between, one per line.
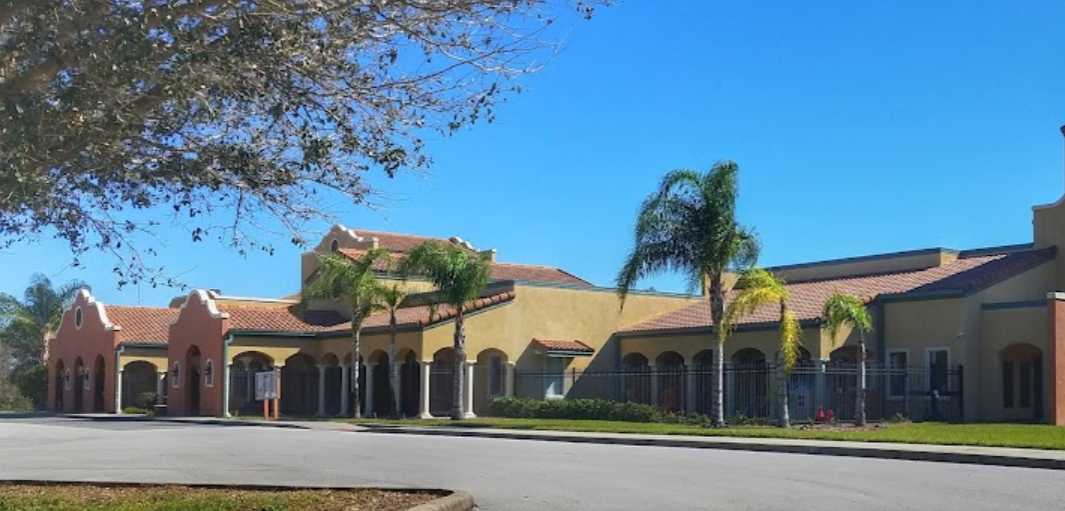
x=248, y=108
x=459, y=274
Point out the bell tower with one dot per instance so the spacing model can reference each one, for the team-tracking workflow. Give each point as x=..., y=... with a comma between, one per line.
x=1048, y=222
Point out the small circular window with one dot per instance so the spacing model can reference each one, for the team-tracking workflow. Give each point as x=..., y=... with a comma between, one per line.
x=334, y=246
x=77, y=317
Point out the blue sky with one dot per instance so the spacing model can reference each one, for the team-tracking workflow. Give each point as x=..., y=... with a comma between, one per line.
x=858, y=127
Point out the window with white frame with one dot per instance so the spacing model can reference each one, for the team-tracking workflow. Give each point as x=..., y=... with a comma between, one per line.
x=938, y=369
x=208, y=373
x=898, y=361
x=78, y=317
x=554, y=376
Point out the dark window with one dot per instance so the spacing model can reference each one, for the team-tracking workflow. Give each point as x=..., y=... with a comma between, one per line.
x=334, y=246
x=937, y=370
x=1007, y=384
x=1026, y=384
x=898, y=361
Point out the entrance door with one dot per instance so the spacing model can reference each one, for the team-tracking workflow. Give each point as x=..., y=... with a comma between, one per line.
x=194, y=390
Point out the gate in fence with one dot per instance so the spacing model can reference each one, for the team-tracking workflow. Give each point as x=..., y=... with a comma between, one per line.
x=755, y=391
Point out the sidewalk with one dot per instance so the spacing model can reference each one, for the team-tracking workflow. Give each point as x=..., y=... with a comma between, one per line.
x=1010, y=457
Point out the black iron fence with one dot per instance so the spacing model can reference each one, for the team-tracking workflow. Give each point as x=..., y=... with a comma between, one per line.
x=815, y=392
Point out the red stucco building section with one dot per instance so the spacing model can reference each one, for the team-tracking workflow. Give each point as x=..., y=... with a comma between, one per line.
x=1057, y=360
x=199, y=327
x=93, y=342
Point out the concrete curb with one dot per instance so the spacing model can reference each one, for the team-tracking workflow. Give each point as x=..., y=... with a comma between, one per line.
x=457, y=501
x=184, y=420
x=872, y=450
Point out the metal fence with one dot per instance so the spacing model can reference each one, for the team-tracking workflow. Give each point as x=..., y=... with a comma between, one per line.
x=820, y=391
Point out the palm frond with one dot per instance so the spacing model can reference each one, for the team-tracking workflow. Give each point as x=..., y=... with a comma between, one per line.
x=459, y=274
x=843, y=309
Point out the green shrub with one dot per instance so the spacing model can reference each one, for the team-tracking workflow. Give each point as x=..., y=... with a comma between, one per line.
x=599, y=409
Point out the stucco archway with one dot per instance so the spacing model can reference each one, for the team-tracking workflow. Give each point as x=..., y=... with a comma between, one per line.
x=139, y=380
x=1021, y=374
x=410, y=377
x=80, y=379
x=193, y=381
x=378, y=372
x=242, y=381
x=489, y=379
x=669, y=370
x=635, y=378
x=59, y=386
x=99, y=378
x=441, y=382
x=748, y=386
x=299, y=386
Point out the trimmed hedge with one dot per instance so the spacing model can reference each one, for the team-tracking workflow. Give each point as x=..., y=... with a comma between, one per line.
x=595, y=409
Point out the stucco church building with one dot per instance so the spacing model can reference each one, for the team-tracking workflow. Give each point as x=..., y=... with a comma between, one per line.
x=986, y=326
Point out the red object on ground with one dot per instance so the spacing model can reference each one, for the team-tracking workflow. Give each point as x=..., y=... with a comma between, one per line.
x=820, y=415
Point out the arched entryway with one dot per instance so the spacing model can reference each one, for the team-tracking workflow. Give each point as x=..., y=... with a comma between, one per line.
x=749, y=389
x=139, y=385
x=490, y=380
x=59, y=386
x=193, y=370
x=80, y=380
x=410, y=376
x=441, y=382
x=99, y=375
x=669, y=370
x=636, y=378
x=704, y=366
x=242, y=382
x=1022, y=382
x=841, y=382
x=383, y=399
x=299, y=386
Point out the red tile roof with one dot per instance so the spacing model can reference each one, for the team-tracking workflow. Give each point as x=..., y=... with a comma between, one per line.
x=554, y=345
x=501, y=271
x=288, y=320
x=147, y=325
x=806, y=299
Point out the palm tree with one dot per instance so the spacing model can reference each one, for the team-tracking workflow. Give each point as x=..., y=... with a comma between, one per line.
x=758, y=288
x=840, y=310
x=392, y=297
x=689, y=225
x=356, y=282
x=26, y=325
x=459, y=275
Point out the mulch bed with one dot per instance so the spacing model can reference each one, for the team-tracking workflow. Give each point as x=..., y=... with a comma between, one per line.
x=75, y=496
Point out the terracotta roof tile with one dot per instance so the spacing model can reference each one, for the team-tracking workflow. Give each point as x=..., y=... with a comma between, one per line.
x=807, y=298
x=501, y=271
x=288, y=319
x=148, y=325
x=555, y=345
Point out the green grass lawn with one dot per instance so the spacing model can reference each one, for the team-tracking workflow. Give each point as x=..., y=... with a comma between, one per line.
x=1039, y=436
x=92, y=497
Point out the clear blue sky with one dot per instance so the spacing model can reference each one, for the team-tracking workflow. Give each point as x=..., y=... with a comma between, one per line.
x=859, y=128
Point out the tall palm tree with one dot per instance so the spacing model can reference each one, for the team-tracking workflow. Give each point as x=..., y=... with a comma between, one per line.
x=25, y=326
x=759, y=288
x=459, y=275
x=847, y=310
x=689, y=225
x=392, y=297
x=354, y=281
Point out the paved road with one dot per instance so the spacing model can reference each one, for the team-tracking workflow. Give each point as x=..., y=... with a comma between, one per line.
x=511, y=474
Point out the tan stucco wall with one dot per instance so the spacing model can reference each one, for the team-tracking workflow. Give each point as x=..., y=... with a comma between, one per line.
x=1000, y=329
x=1049, y=231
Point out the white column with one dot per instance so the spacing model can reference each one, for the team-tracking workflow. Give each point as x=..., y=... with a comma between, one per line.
x=424, y=408
x=368, y=412
x=689, y=391
x=398, y=390
x=508, y=381
x=227, y=387
x=321, y=390
x=345, y=390
x=468, y=398
x=118, y=391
